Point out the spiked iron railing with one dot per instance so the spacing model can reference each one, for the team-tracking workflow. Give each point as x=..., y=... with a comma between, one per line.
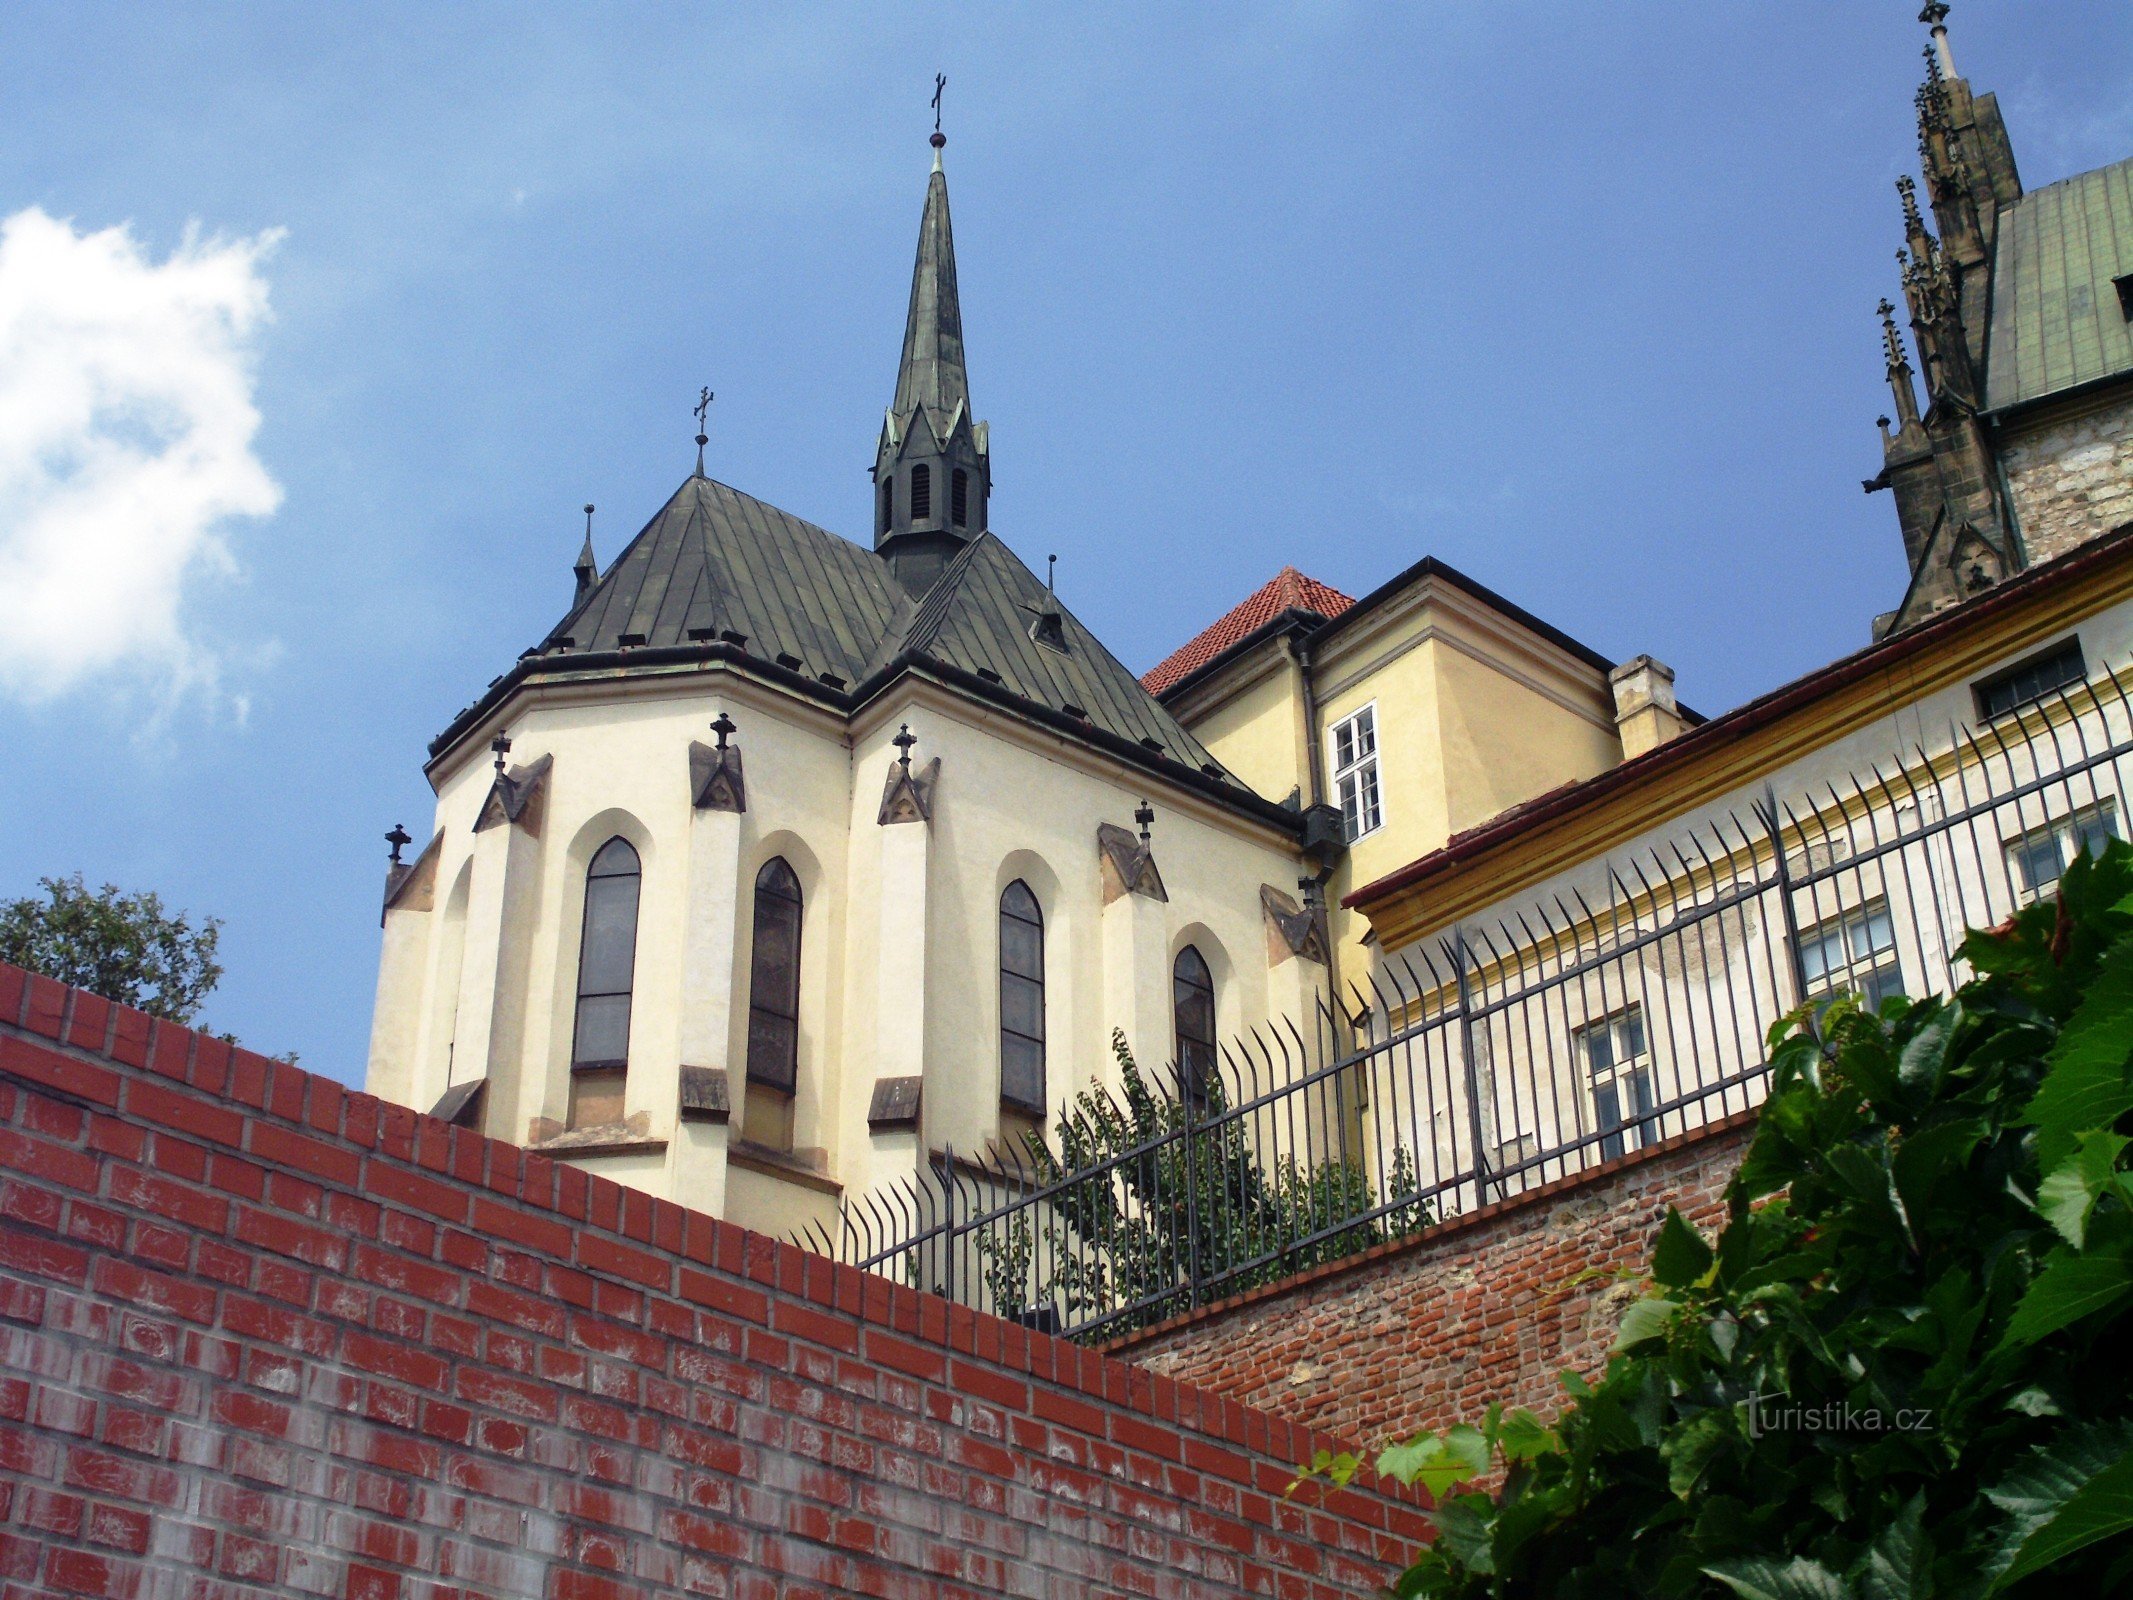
x=1631, y=1005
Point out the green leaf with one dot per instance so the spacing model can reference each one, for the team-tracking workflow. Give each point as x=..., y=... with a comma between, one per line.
x=2084, y=1083
x=1522, y=1436
x=1648, y=1318
x=1438, y=1462
x=2046, y=1485
x=1925, y=1053
x=1680, y=1257
x=2098, y=1509
x=1898, y=1565
x=2070, y=1190
x=1758, y=1578
x=2069, y=1288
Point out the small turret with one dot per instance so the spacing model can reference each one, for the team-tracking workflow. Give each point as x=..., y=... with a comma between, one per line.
x=586, y=567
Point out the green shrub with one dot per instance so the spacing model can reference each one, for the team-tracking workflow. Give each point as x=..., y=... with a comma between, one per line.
x=1902, y=1370
x=1142, y=1203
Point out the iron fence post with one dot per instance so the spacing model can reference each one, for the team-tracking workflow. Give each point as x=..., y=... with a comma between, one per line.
x=947, y=1175
x=1187, y=1081
x=1466, y=1058
x=1796, y=961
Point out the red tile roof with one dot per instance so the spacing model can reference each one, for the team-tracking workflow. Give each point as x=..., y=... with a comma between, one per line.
x=1287, y=590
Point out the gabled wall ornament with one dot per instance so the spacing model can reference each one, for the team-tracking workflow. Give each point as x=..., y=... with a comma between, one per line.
x=1291, y=929
x=1127, y=865
x=413, y=887
x=515, y=798
x=907, y=796
x=716, y=782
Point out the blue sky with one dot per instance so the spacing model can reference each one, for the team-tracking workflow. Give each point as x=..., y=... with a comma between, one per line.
x=1576, y=298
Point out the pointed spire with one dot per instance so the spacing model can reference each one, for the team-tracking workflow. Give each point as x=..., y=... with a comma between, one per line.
x=932, y=466
x=586, y=567
x=932, y=374
x=1899, y=368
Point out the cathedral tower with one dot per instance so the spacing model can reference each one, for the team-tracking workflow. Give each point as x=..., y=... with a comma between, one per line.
x=932, y=468
x=2019, y=311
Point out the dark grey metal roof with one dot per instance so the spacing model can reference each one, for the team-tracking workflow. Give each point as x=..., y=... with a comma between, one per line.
x=715, y=561
x=985, y=616
x=718, y=565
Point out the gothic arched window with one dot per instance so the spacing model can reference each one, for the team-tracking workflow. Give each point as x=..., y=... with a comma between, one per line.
x=1192, y=998
x=887, y=513
x=921, y=492
x=773, y=1006
x=1021, y=999
x=607, y=964
x=959, y=497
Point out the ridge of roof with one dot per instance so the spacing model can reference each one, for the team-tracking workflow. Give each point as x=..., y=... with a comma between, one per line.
x=1288, y=590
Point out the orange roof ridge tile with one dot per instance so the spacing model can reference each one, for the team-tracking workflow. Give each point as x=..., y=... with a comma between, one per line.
x=1287, y=590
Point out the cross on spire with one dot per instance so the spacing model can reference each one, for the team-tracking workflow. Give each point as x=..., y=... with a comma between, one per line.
x=903, y=741
x=399, y=839
x=501, y=744
x=940, y=82
x=1144, y=814
x=724, y=726
x=703, y=411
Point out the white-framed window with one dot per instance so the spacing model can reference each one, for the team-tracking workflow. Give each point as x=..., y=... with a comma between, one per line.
x=1355, y=771
x=1619, y=1065
x=1853, y=952
x=2036, y=859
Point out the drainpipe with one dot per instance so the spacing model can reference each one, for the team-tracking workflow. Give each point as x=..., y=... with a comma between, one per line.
x=1315, y=771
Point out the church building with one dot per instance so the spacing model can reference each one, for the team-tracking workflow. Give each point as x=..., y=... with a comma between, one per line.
x=786, y=866
x=783, y=859
x=2021, y=311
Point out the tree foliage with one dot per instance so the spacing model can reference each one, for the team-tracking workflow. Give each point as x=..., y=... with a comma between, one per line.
x=125, y=947
x=1899, y=1372
x=1150, y=1195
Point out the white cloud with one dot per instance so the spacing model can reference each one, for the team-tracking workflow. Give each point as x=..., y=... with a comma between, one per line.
x=126, y=429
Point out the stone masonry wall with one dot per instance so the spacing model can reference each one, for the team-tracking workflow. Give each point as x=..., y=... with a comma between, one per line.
x=262, y=1336
x=2072, y=480
x=1428, y=1331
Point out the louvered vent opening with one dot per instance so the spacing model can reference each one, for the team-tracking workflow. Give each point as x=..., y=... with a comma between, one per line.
x=921, y=493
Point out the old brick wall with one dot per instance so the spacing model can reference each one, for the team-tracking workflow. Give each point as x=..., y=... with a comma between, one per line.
x=2072, y=478
x=263, y=1336
x=1490, y=1306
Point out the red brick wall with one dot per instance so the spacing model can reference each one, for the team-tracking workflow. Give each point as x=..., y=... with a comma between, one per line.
x=263, y=1336
x=1489, y=1307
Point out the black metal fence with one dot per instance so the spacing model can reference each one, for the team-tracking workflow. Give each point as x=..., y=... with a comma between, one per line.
x=1630, y=1004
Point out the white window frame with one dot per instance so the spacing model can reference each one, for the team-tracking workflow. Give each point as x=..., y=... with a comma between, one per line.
x=2067, y=832
x=1854, y=964
x=1628, y=1078
x=1366, y=767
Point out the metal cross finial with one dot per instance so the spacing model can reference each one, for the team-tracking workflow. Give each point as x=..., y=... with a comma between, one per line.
x=903, y=741
x=940, y=82
x=723, y=725
x=399, y=839
x=501, y=744
x=703, y=410
x=1144, y=814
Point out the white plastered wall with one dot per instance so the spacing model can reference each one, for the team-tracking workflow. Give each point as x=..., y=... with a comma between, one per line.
x=1011, y=802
